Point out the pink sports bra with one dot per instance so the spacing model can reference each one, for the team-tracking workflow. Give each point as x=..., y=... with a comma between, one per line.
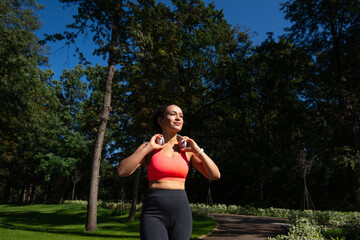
x=162, y=167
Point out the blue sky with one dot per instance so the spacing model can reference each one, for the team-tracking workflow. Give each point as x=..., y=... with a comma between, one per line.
x=259, y=16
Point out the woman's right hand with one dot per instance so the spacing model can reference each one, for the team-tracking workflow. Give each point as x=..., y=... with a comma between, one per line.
x=131, y=163
x=154, y=142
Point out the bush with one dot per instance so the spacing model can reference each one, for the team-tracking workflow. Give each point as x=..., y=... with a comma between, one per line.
x=120, y=207
x=303, y=229
x=308, y=224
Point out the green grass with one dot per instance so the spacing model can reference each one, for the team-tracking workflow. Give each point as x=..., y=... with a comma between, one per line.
x=66, y=222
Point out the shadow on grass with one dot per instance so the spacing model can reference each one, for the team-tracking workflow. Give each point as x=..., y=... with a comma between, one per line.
x=62, y=219
x=70, y=221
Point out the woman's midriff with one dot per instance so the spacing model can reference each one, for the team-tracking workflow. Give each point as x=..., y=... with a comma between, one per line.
x=162, y=184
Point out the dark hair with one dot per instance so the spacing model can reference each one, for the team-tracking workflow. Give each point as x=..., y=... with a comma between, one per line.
x=159, y=113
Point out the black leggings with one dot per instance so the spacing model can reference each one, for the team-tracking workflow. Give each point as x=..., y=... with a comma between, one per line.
x=166, y=215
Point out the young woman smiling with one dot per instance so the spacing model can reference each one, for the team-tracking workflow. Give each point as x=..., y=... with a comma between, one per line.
x=166, y=213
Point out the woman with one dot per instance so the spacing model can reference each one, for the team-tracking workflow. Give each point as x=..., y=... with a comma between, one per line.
x=166, y=212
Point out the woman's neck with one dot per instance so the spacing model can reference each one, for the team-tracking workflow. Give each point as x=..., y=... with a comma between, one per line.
x=170, y=137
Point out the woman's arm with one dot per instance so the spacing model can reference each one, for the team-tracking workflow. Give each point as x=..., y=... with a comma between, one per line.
x=205, y=165
x=131, y=163
x=202, y=162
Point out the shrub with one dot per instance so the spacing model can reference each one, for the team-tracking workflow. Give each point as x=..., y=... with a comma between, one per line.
x=308, y=224
x=119, y=207
x=303, y=229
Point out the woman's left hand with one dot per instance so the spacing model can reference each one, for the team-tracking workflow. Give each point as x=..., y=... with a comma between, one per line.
x=200, y=160
x=191, y=145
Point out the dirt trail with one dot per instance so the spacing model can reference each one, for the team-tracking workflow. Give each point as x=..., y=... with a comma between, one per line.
x=246, y=227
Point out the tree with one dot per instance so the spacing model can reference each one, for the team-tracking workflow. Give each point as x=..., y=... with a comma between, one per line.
x=305, y=165
x=106, y=20
x=177, y=50
x=24, y=95
x=20, y=56
x=74, y=144
x=57, y=142
x=329, y=30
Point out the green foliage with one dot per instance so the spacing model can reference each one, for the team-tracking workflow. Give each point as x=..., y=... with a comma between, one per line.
x=40, y=138
x=21, y=86
x=29, y=123
x=329, y=32
x=329, y=219
x=120, y=207
x=50, y=163
x=252, y=108
x=303, y=229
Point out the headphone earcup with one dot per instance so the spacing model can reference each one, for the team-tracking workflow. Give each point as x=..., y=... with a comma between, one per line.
x=160, y=141
x=183, y=143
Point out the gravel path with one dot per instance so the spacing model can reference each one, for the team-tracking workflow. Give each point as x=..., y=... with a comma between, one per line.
x=246, y=227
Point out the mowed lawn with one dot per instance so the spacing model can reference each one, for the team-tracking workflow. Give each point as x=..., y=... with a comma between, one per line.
x=67, y=222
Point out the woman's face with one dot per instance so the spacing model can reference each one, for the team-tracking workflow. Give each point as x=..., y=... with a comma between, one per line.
x=173, y=119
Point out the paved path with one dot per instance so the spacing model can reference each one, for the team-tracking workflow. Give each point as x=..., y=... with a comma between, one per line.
x=241, y=227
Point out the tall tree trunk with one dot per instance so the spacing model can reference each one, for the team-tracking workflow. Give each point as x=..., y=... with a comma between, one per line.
x=45, y=194
x=73, y=192
x=307, y=203
x=23, y=193
x=7, y=192
x=32, y=193
x=75, y=177
x=209, y=200
x=94, y=184
x=351, y=185
x=91, y=223
x=261, y=191
x=358, y=178
x=131, y=217
x=64, y=190
x=122, y=193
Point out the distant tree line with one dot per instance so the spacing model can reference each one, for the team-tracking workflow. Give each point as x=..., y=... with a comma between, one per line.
x=281, y=118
